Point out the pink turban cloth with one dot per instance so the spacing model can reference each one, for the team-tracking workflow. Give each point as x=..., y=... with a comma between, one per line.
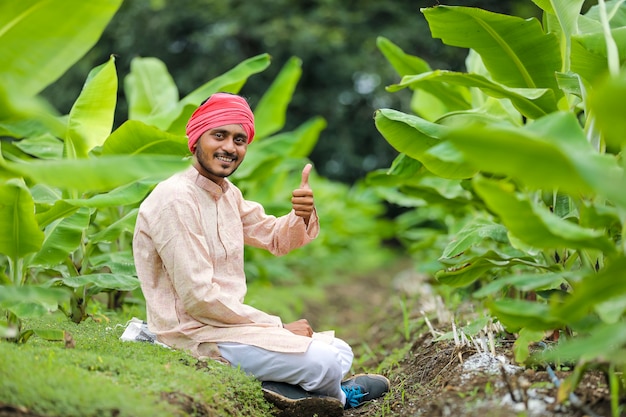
x=219, y=110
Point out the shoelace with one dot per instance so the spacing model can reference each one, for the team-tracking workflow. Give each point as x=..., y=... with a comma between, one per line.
x=353, y=395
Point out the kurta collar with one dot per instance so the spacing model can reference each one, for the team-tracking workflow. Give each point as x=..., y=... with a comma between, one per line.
x=206, y=184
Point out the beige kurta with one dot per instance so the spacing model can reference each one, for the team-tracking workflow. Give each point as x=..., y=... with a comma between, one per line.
x=189, y=254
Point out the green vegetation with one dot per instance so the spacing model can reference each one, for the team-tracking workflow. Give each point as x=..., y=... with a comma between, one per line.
x=509, y=185
x=519, y=162
x=73, y=184
x=344, y=73
x=99, y=375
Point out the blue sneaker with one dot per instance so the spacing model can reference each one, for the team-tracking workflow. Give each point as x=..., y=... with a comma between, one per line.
x=362, y=388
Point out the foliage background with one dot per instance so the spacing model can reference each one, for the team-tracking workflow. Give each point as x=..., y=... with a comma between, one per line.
x=344, y=74
x=71, y=221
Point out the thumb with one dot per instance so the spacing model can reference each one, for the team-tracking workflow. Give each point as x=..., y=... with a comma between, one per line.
x=305, y=176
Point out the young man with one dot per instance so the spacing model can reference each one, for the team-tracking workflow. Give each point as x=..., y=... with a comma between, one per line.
x=189, y=254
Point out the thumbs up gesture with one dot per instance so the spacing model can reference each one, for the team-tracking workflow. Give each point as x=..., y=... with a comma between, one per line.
x=302, y=197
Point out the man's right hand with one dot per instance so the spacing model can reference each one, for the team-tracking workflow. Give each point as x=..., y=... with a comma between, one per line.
x=302, y=197
x=300, y=327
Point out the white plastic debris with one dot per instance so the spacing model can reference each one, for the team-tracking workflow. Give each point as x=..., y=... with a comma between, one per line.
x=487, y=363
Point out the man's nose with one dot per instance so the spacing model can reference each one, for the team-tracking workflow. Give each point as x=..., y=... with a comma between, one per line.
x=229, y=145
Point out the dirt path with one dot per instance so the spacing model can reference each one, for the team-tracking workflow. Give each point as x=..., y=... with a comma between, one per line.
x=375, y=314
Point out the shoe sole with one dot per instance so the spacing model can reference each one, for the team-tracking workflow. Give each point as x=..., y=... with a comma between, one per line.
x=304, y=407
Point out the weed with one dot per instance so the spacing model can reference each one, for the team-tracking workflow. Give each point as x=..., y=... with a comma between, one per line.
x=489, y=389
x=405, y=319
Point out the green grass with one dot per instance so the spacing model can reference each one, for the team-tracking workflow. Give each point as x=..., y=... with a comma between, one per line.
x=103, y=376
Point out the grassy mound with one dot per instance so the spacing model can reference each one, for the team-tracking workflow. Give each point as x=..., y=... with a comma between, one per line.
x=93, y=373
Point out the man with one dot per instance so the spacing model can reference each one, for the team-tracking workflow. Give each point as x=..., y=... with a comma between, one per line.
x=189, y=250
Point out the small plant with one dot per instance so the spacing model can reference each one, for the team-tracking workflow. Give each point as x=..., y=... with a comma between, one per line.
x=488, y=389
x=405, y=319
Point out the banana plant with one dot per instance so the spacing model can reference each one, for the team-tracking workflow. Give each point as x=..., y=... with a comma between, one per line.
x=531, y=137
x=37, y=51
x=71, y=190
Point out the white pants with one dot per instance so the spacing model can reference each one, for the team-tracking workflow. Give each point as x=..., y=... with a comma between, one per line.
x=320, y=369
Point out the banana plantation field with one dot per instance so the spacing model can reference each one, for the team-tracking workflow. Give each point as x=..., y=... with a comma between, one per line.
x=482, y=272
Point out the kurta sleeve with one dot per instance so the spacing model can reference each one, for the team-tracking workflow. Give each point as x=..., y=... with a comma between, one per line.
x=278, y=235
x=181, y=242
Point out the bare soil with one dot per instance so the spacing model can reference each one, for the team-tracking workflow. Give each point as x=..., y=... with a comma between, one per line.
x=438, y=378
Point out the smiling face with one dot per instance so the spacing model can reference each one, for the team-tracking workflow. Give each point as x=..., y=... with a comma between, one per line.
x=220, y=151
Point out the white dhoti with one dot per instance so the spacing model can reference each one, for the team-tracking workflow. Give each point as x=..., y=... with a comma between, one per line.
x=320, y=369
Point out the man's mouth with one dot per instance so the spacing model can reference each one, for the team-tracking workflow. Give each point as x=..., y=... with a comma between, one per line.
x=226, y=158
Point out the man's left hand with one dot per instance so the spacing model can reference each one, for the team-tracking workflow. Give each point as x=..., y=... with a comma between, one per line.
x=300, y=327
x=302, y=197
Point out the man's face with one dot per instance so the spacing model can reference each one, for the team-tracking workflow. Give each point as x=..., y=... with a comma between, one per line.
x=220, y=151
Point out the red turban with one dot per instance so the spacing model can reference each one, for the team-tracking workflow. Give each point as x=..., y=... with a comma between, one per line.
x=219, y=110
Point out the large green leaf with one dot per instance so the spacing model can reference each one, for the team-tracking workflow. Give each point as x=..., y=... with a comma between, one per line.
x=616, y=11
x=231, y=81
x=107, y=281
x=41, y=39
x=91, y=118
x=566, y=13
x=149, y=88
x=119, y=263
x=551, y=153
x=603, y=343
x=598, y=215
x=524, y=282
x=62, y=238
x=607, y=102
x=437, y=190
x=403, y=170
x=100, y=174
x=174, y=118
x=593, y=290
x=113, y=231
x=516, y=52
x=32, y=294
x=306, y=137
x=589, y=65
x=589, y=53
x=534, y=224
x=58, y=210
x=470, y=268
x=415, y=136
x=136, y=137
x=295, y=144
x=440, y=96
x=531, y=102
x=473, y=233
x=19, y=231
x=45, y=146
x=408, y=134
x=518, y=314
x=403, y=63
x=270, y=112
x=121, y=196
